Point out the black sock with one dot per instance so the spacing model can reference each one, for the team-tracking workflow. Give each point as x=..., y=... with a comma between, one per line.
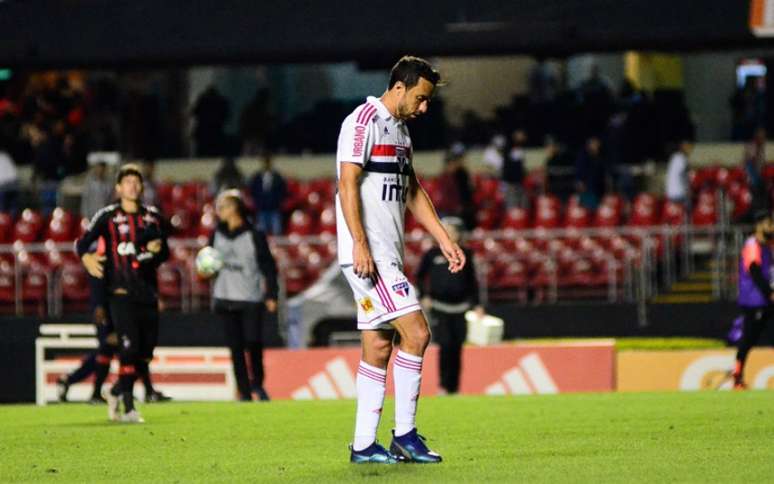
x=143, y=371
x=100, y=375
x=125, y=385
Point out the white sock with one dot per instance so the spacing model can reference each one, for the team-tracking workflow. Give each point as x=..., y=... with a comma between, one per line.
x=370, y=382
x=407, y=372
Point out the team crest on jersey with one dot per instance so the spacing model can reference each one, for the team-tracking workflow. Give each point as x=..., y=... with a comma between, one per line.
x=401, y=288
x=366, y=304
x=123, y=229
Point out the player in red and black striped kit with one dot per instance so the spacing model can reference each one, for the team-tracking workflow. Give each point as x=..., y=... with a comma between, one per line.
x=135, y=245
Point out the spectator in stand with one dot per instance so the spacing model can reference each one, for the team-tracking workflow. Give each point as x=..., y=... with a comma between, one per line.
x=494, y=155
x=590, y=172
x=448, y=297
x=456, y=191
x=753, y=162
x=268, y=189
x=49, y=165
x=227, y=176
x=210, y=114
x=513, y=170
x=99, y=187
x=150, y=195
x=560, y=170
x=678, y=188
x=9, y=182
x=255, y=123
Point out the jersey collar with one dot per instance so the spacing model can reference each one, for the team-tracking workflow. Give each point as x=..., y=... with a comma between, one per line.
x=381, y=109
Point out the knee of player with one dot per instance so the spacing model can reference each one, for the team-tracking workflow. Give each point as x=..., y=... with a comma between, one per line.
x=381, y=348
x=420, y=336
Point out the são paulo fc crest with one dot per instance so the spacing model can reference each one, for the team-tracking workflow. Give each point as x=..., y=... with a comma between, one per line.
x=401, y=288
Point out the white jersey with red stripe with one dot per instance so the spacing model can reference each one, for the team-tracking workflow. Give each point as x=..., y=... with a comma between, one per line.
x=373, y=138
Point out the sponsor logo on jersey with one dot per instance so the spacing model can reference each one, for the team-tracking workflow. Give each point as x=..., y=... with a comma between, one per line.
x=148, y=218
x=401, y=288
x=119, y=219
x=366, y=304
x=386, y=131
x=126, y=248
x=357, y=146
x=123, y=229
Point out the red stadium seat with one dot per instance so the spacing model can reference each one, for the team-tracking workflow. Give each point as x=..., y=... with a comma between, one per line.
x=673, y=213
x=607, y=215
x=547, y=216
x=26, y=232
x=59, y=230
x=6, y=228
x=32, y=217
x=742, y=204
x=488, y=218
x=577, y=217
x=644, y=215
x=170, y=284
x=207, y=224
x=300, y=223
x=704, y=215
x=517, y=218
x=75, y=284
x=328, y=221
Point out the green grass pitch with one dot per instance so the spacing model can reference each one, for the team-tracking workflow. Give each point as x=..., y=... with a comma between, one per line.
x=652, y=437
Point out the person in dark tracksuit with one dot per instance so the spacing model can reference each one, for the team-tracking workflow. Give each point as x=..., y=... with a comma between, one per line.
x=98, y=361
x=449, y=296
x=755, y=291
x=135, y=245
x=243, y=290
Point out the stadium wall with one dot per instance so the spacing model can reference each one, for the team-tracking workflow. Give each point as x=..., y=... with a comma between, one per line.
x=17, y=345
x=691, y=370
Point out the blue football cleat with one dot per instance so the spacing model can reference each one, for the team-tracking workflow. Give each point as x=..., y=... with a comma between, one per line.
x=373, y=454
x=413, y=449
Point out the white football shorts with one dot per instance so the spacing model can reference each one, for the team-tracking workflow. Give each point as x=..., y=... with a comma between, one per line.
x=382, y=299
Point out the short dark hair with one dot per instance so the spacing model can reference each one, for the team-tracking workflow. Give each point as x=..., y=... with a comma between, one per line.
x=409, y=69
x=761, y=216
x=129, y=169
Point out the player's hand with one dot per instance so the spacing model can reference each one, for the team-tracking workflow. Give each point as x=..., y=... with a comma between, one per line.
x=454, y=255
x=93, y=264
x=771, y=298
x=426, y=303
x=100, y=316
x=154, y=246
x=479, y=310
x=271, y=305
x=362, y=262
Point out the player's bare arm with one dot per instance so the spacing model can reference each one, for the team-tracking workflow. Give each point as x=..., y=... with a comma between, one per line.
x=422, y=208
x=349, y=193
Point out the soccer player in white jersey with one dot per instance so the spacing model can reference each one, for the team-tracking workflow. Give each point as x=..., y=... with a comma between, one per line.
x=376, y=182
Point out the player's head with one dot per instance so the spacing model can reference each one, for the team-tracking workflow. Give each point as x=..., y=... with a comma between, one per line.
x=454, y=227
x=412, y=82
x=129, y=182
x=764, y=229
x=230, y=206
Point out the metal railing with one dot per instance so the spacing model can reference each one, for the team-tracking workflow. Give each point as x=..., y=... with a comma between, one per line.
x=648, y=267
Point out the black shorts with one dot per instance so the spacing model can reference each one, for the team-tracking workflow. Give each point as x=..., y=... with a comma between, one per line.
x=136, y=325
x=242, y=322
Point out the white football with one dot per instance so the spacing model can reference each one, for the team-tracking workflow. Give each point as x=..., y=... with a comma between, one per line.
x=208, y=261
